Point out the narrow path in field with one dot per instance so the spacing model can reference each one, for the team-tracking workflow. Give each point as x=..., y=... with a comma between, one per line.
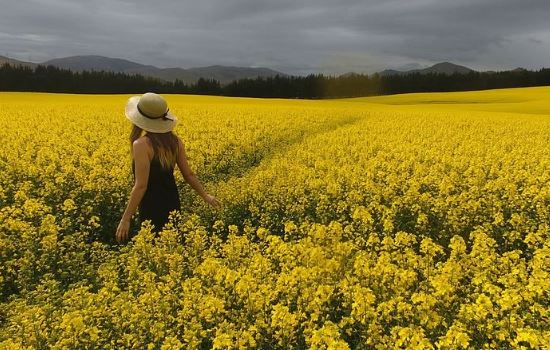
x=238, y=181
x=284, y=145
x=279, y=147
x=266, y=151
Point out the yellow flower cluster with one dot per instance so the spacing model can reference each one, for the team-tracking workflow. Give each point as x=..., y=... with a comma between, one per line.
x=419, y=221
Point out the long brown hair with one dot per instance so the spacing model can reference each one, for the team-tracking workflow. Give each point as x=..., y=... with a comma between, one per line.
x=165, y=145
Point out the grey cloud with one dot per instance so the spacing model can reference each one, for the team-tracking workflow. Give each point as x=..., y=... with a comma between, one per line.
x=295, y=36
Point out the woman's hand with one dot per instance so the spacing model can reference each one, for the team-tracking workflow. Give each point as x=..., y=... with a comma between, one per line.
x=122, y=230
x=213, y=201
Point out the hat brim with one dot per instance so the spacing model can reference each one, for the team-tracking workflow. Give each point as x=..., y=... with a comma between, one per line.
x=148, y=124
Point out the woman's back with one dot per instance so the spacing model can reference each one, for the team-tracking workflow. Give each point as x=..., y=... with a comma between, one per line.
x=161, y=195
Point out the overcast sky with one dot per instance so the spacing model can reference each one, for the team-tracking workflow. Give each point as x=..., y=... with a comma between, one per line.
x=293, y=36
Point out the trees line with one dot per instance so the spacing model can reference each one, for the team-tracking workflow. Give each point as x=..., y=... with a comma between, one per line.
x=53, y=79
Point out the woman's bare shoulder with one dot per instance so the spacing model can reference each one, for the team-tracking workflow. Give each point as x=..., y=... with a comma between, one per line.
x=145, y=144
x=142, y=141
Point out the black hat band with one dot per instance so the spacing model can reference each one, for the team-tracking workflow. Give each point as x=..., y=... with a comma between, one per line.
x=147, y=116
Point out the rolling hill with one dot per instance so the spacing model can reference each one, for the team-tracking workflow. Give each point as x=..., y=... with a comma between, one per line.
x=14, y=62
x=224, y=74
x=443, y=67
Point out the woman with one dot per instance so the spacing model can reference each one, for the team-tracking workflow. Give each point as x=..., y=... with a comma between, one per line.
x=153, y=160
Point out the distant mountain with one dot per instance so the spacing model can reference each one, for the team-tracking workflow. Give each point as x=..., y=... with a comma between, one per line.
x=224, y=74
x=230, y=73
x=447, y=68
x=444, y=67
x=408, y=66
x=387, y=72
x=98, y=63
x=15, y=62
x=348, y=75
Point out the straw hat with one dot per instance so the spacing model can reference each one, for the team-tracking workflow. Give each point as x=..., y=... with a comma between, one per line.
x=150, y=112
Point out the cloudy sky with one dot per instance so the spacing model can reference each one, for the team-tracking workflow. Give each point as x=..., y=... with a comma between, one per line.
x=293, y=36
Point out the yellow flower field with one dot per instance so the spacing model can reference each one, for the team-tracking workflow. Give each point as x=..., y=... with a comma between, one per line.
x=418, y=221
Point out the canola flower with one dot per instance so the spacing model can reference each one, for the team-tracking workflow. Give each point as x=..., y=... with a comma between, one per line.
x=416, y=221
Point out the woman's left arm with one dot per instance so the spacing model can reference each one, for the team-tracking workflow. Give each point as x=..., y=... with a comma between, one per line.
x=142, y=165
x=192, y=180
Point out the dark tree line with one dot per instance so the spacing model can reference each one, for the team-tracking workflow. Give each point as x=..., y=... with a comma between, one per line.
x=53, y=79
x=355, y=85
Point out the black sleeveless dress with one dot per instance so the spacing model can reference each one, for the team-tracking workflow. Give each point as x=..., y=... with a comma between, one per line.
x=161, y=195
